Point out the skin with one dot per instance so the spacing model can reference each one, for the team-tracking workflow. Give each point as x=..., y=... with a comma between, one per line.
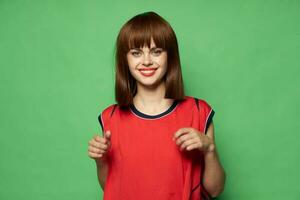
x=150, y=100
x=147, y=58
x=190, y=139
x=97, y=149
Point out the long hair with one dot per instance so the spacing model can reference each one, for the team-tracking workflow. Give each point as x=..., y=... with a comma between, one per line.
x=135, y=33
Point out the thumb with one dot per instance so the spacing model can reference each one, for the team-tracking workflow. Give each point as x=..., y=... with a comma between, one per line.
x=107, y=135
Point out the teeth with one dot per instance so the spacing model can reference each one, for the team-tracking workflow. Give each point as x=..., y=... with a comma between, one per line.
x=147, y=71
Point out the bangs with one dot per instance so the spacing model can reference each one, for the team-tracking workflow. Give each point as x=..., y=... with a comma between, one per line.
x=140, y=38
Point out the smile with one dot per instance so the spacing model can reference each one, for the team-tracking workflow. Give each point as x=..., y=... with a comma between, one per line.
x=148, y=71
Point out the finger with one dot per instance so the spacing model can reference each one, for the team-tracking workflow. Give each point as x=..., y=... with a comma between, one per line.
x=181, y=131
x=99, y=145
x=108, y=144
x=94, y=143
x=184, y=137
x=198, y=145
x=107, y=135
x=188, y=143
x=192, y=146
x=95, y=150
x=97, y=138
x=100, y=139
x=94, y=155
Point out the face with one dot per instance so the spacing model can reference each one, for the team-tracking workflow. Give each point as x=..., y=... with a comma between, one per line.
x=147, y=65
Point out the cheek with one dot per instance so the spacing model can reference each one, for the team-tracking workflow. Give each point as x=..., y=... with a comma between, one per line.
x=162, y=60
x=163, y=64
x=132, y=62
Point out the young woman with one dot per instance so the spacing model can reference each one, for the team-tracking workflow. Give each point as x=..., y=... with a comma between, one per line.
x=157, y=143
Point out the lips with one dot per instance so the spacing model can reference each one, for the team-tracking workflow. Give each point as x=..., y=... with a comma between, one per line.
x=147, y=71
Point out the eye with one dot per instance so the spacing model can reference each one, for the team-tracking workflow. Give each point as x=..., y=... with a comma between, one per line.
x=157, y=52
x=136, y=53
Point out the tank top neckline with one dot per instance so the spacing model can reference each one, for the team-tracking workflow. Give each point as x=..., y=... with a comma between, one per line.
x=140, y=114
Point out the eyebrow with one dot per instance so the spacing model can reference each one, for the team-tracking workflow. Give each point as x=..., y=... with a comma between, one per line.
x=150, y=49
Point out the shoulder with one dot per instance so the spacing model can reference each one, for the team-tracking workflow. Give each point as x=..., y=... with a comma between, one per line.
x=107, y=111
x=105, y=115
x=198, y=101
x=205, y=111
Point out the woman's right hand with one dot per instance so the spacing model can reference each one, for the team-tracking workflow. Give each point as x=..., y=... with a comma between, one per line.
x=99, y=146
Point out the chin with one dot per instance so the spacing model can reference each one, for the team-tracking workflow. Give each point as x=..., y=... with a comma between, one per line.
x=150, y=84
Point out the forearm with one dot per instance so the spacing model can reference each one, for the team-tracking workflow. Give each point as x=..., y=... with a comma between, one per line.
x=214, y=174
x=102, y=170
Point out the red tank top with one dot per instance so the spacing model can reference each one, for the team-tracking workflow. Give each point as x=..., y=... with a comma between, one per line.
x=144, y=162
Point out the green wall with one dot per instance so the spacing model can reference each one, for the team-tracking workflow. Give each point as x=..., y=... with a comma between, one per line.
x=56, y=75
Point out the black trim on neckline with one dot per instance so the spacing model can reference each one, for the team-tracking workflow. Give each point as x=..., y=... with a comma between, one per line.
x=143, y=115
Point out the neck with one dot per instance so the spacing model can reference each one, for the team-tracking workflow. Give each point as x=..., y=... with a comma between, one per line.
x=151, y=100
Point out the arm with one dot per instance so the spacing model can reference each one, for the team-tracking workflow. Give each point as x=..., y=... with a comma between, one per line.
x=98, y=148
x=214, y=174
x=102, y=170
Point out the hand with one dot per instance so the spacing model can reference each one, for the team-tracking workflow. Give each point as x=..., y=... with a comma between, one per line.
x=190, y=138
x=99, y=146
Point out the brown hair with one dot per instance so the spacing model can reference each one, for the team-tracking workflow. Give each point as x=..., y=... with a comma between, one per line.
x=134, y=34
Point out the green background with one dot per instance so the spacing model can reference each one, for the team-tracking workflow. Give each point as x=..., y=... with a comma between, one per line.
x=56, y=70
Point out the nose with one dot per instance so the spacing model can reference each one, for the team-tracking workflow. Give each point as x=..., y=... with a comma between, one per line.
x=147, y=60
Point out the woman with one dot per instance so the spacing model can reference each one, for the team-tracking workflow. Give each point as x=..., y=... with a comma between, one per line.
x=157, y=142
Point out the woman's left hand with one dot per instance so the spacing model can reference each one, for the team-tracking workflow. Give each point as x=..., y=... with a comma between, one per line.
x=190, y=138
